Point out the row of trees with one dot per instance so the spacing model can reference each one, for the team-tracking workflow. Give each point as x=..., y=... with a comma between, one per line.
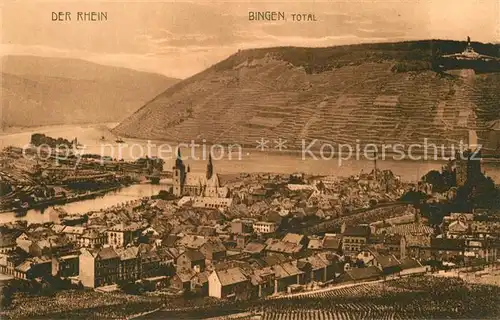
x=480, y=193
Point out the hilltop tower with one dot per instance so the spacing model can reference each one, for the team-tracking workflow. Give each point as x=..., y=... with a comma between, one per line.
x=468, y=167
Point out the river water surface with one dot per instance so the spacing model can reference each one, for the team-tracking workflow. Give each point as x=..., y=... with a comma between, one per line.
x=252, y=160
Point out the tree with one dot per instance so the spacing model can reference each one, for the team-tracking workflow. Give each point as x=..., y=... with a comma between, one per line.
x=130, y=287
x=6, y=299
x=359, y=263
x=436, y=179
x=483, y=194
x=80, y=286
x=165, y=195
x=166, y=270
x=414, y=197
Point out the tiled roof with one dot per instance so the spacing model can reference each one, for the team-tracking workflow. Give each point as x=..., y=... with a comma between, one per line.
x=357, y=231
x=68, y=257
x=293, y=238
x=7, y=240
x=447, y=244
x=194, y=255
x=409, y=263
x=43, y=244
x=422, y=241
x=203, y=276
x=192, y=241
x=91, y=234
x=215, y=245
x=283, y=247
x=316, y=262
x=331, y=242
x=128, y=253
x=261, y=275
x=121, y=227
x=315, y=244
x=363, y=273
x=107, y=253
x=58, y=228
x=254, y=247
x=286, y=269
x=25, y=266
x=386, y=261
x=186, y=275
x=170, y=240
x=74, y=230
x=409, y=228
x=231, y=276
x=274, y=259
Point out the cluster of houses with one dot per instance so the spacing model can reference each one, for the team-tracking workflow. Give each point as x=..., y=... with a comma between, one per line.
x=322, y=196
x=240, y=265
x=235, y=247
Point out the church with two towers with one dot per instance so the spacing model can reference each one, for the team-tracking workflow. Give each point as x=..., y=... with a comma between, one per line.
x=187, y=183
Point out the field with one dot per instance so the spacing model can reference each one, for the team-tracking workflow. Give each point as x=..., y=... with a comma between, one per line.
x=423, y=297
x=74, y=304
x=408, y=298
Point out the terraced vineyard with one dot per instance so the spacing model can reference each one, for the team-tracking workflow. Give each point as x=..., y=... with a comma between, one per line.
x=254, y=94
x=326, y=315
x=409, y=298
x=422, y=297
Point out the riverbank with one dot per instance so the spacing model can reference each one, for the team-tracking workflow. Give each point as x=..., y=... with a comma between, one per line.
x=64, y=200
x=97, y=202
x=18, y=129
x=252, y=159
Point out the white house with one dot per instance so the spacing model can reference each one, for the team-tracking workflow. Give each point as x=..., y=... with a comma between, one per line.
x=230, y=283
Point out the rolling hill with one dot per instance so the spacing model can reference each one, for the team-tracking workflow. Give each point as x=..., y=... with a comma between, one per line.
x=45, y=91
x=376, y=93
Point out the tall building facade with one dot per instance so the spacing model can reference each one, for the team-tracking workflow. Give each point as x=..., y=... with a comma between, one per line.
x=468, y=167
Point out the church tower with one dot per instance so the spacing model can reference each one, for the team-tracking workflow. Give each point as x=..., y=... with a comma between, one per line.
x=210, y=167
x=179, y=175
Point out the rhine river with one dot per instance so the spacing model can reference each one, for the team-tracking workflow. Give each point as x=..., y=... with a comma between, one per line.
x=251, y=160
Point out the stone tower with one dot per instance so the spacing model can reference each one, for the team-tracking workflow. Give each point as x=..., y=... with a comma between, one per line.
x=179, y=175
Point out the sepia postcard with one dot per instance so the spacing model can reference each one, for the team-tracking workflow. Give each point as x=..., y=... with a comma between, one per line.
x=259, y=159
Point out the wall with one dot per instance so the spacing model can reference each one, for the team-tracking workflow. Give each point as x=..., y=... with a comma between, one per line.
x=214, y=286
x=87, y=270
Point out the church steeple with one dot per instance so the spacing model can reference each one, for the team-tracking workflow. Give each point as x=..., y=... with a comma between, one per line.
x=178, y=162
x=179, y=174
x=210, y=167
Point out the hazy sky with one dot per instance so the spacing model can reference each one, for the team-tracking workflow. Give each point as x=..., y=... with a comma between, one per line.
x=180, y=38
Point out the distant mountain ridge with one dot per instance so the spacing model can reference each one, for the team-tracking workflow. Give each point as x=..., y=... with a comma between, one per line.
x=46, y=91
x=384, y=93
